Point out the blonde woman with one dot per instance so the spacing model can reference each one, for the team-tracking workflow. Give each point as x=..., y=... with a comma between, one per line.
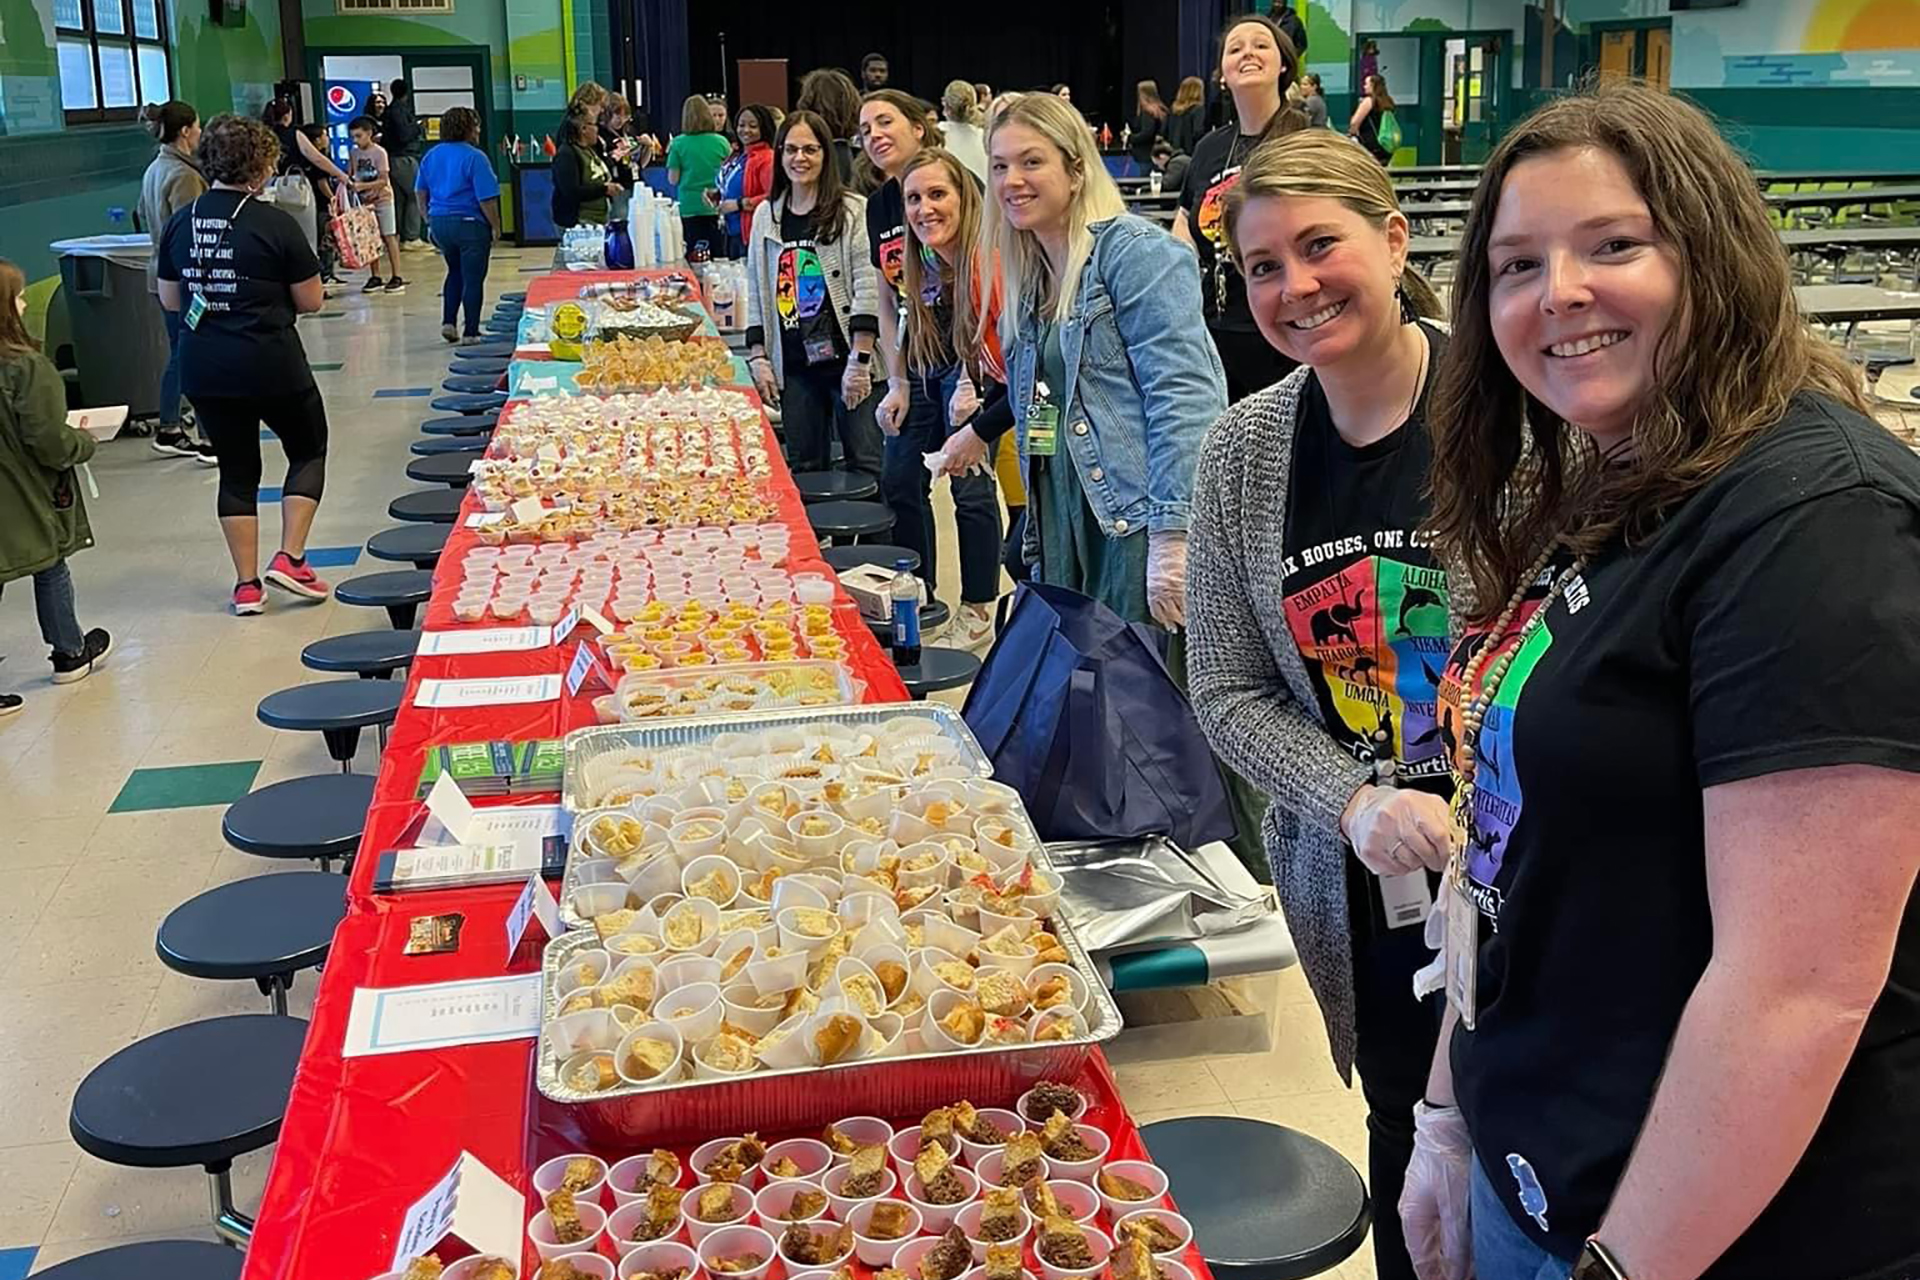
x=961, y=113
x=1187, y=119
x=1319, y=618
x=1113, y=385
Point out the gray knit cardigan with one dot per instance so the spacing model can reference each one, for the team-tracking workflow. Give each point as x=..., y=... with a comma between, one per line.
x=1251, y=690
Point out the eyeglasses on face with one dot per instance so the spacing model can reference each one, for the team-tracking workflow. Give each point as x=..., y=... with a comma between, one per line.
x=803, y=149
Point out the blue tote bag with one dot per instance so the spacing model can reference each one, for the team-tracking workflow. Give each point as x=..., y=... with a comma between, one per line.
x=1078, y=713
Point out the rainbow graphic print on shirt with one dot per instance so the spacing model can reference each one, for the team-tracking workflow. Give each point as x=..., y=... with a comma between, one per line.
x=799, y=285
x=1210, y=217
x=1373, y=635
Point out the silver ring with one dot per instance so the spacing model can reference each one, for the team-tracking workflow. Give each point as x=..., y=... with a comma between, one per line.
x=1396, y=847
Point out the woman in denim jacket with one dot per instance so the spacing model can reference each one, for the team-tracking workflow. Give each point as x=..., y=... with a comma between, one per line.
x=1114, y=382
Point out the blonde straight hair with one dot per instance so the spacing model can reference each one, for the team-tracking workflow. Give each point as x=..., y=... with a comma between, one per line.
x=1026, y=278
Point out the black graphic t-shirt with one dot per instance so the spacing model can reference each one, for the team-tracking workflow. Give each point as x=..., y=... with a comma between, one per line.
x=1214, y=170
x=800, y=303
x=1365, y=601
x=887, y=233
x=242, y=260
x=1769, y=625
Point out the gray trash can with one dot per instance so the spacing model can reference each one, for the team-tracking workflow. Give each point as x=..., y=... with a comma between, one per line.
x=119, y=338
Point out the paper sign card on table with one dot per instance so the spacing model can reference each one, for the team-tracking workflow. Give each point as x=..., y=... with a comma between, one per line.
x=451, y=809
x=482, y=640
x=487, y=693
x=585, y=663
x=473, y=1204
x=442, y=1014
x=500, y=824
x=528, y=511
x=535, y=900
x=481, y=519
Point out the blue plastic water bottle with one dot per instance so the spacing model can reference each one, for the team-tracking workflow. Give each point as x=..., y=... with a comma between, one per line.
x=904, y=593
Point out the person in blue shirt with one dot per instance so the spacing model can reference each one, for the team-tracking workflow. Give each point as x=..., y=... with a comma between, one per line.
x=460, y=199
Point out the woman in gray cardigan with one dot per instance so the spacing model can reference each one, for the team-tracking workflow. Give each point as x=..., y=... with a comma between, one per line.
x=811, y=300
x=1319, y=621
x=172, y=182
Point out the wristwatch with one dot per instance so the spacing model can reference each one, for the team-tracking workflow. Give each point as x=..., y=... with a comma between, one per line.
x=863, y=357
x=1596, y=1263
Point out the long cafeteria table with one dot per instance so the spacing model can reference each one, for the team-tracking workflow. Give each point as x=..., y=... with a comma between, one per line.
x=365, y=1137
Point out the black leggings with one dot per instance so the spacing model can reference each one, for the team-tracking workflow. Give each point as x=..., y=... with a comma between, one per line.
x=232, y=424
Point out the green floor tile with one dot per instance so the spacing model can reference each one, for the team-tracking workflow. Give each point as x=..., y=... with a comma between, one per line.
x=333, y=366
x=185, y=786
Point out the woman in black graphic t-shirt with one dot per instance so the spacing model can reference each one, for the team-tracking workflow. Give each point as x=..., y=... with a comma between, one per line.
x=1318, y=618
x=1258, y=62
x=1690, y=851
x=239, y=272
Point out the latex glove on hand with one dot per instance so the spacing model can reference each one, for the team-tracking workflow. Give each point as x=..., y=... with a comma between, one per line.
x=891, y=413
x=856, y=384
x=1394, y=831
x=764, y=383
x=1433, y=1201
x=964, y=402
x=965, y=453
x=1167, y=577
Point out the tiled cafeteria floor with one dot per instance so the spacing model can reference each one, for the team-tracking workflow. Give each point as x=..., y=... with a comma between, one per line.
x=111, y=793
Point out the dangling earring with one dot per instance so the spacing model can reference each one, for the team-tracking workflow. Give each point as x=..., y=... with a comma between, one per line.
x=1407, y=314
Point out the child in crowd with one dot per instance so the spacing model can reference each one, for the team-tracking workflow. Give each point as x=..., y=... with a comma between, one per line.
x=372, y=179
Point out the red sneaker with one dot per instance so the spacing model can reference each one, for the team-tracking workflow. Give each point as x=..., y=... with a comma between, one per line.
x=297, y=578
x=249, y=597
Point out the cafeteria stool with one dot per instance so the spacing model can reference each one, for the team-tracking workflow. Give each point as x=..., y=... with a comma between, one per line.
x=834, y=486
x=517, y=295
x=471, y=383
x=434, y=446
x=338, y=710
x=933, y=616
x=400, y=592
x=371, y=655
x=504, y=328
x=461, y=424
x=419, y=545
x=469, y=402
x=452, y=469
x=881, y=554
x=319, y=817
x=1266, y=1202
x=478, y=367
x=849, y=520
x=492, y=349
x=266, y=928
x=201, y=1093
x=427, y=506
x=939, y=668
x=153, y=1260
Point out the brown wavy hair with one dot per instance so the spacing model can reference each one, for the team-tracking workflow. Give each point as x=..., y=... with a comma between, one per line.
x=927, y=347
x=13, y=327
x=1509, y=474
x=238, y=150
x=829, y=193
x=1192, y=93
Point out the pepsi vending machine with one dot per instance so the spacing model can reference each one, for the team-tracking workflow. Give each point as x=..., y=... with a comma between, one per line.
x=345, y=100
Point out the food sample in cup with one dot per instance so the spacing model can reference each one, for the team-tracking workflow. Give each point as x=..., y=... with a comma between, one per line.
x=731, y=1050
x=425, y=1267
x=735, y=1263
x=662, y=1216
x=1008, y=941
x=965, y=1022
x=1023, y=1162
x=1003, y=1262
x=560, y=1269
x=816, y=1245
x=580, y=1173
x=1048, y=1097
x=1147, y=1229
x=1048, y=949
x=684, y=927
x=1062, y=1141
x=893, y=978
x=1063, y=1242
x=565, y=1215
x=1052, y=991
x=957, y=974
x=635, y=987
x=890, y=1220
x=1131, y=1259
x=665, y=1273
x=865, y=992
x=939, y=1184
x=974, y=1127
x=1054, y=1025
x=937, y=1129
x=783, y=1167
x=866, y=1173
x=492, y=1269
x=1004, y=1031
x=1002, y=994
x=733, y=1161
x=1001, y=1218
x=836, y=1037
x=647, y=1057
x=804, y=1206
x=715, y=1203
x=1121, y=1187
x=593, y=1074
x=948, y=1259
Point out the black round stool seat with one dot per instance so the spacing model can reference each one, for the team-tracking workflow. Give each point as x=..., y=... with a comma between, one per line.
x=317, y=817
x=873, y=553
x=427, y=506
x=469, y=402
x=461, y=424
x=434, y=446
x=496, y=367
x=332, y=704
x=417, y=544
x=471, y=383
x=257, y=928
x=517, y=295
x=363, y=653
x=455, y=469
x=849, y=519
x=201, y=1093
x=834, y=486
x=1266, y=1202
x=933, y=616
x=400, y=592
x=939, y=668
x=491, y=348
x=154, y=1260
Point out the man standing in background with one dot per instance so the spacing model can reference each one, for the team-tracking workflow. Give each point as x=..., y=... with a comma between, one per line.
x=405, y=141
x=1289, y=22
x=873, y=72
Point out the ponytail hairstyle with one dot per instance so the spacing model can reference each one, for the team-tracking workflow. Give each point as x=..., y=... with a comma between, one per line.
x=166, y=121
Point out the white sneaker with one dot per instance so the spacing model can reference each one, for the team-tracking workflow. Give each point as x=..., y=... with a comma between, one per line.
x=449, y=333
x=973, y=628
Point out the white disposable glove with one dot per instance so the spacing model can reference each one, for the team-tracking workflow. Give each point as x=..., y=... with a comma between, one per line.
x=1394, y=831
x=965, y=453
x=856, y=383
x=763, y=381
x=1167, y=577
x=964, y=402
x=892, y=409
x=1433, y=1201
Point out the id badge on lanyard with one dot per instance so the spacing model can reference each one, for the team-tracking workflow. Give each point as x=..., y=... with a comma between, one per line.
x=1462, y=948
x=1043, y=423
x=196, y=308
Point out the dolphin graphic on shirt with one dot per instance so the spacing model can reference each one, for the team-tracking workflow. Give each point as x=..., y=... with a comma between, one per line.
x=1533, y=1197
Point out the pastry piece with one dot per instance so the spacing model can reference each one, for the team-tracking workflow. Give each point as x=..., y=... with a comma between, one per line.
x=715, y=886
x=893, y=978
x=1051, y=991
x=736, y=1263
x=634, y=987
x=839, y=1142
x=798, y=1000
x=955, y=973
x=1121, y=1187
x=889, y=1221
x=1041, y=1202
x=975, y=1127
x=1154, y=1232
x=1024, y=1160
x=836, y=1038
x=581, y=1172
x=812, y=922
x=1004, y=1031
x=735, y=963
x=663, y=1169
x=966, y=1023
x=684, y=928
x=492, y=1269
x=565, y=1214
x=1048, y=1097
x=425, y=1267
x=1002, y=994
x=1003, y=1262
x=648, y=1057
x=1001, y=1218
x=560, y=1269
x=937, y=1127
x=865, y=993
x=948, y=1259
x=1063, y=1242
x=1048, y=949
x=933, y=1159
x=866, y=1173
x=1062, y=1141
x=729, y=1050
x=805, y=1205
x=662, y=1217
x=1007, y=941
x=1056, y=1025
x=670, y=1273
x=815, y=1246
x=579, y=1002
x=784, y=1167
x=945, y=1189
x=732, y=1161
x=1132, y=1260
x=593, y=1075
x=714, y=1203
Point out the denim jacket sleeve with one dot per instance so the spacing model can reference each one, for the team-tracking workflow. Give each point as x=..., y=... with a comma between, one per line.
x=866, y=290
x=1154, y=282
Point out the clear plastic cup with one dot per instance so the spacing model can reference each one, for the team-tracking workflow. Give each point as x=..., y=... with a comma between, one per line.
x=470, y=608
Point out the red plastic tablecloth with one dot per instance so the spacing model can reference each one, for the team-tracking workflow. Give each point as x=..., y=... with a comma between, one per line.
x=363, y=1138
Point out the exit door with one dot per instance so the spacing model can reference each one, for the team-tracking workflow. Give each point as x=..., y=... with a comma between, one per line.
x=1636, y=52
x=1475, y=92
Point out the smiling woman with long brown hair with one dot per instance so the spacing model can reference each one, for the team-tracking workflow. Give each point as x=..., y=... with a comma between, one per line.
x=1685, y=719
